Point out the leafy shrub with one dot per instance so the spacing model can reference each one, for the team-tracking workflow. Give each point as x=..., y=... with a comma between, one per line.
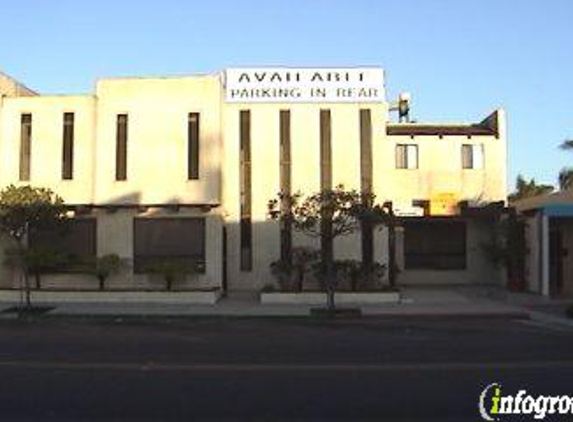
x=171, y=269
x=104, y=266
x=269, y=288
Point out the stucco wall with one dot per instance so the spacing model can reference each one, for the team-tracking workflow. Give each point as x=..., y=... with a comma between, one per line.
x=440, y=170
x=115, y=236
x=9, y=87
x=305, y=164
x=47, y=144
x=157, y=141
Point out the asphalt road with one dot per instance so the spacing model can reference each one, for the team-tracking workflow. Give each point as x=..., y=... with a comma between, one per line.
x=272, y=370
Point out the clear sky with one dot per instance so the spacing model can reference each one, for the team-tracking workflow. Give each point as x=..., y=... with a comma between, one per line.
x=460, y=59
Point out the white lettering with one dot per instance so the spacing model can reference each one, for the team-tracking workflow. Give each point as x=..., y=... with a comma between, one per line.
x=564, y=405
x=505, y=404
x=541, y=407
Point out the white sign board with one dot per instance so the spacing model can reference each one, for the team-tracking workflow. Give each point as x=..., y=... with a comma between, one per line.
x=304, y=85
x=408, y=211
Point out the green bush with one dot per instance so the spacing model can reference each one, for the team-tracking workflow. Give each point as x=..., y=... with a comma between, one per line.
x=104, y=266
x=269, y=288
x=172, y=268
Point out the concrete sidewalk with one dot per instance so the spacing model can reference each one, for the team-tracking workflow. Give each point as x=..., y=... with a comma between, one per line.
x=416, y=302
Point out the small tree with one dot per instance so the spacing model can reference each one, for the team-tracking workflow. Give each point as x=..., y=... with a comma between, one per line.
x=327, y=215
x=526, y=189
x=23, y=207
x=39, y=261
x=292, y=273
x=566, y=178
x=104, y=266
x=172, y=268
x=566, y=174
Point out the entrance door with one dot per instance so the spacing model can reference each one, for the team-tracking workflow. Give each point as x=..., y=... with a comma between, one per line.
x=556, y=253
x=224, y=269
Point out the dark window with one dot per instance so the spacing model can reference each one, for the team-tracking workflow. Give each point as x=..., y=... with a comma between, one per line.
x=285, y=182
x=25, y=146
x=74, y=240
x=325, y=150
x=366, y=150
x=438, y=244
x=366, y=182
x=121, y=148
x=193, y=147
x=68, y=147
x=157, y=239
x=246, y=263
x=406, y=156
x=472, y=156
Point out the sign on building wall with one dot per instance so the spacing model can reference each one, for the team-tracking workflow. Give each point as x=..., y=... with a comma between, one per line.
x=304, y=85
x=444, y=203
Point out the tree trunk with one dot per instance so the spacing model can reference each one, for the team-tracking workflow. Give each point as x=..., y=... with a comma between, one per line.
x=27, y=289
x=169, y=282
x=37, y=277
x=101, y=283
x=328, y=261
x=392, y=256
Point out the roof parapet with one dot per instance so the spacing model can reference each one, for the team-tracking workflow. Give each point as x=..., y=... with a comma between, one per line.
x=10, y=87
x=490, y=126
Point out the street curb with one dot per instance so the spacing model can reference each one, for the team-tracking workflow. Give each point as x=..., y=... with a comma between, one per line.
x=505, y=315
x=450, y=315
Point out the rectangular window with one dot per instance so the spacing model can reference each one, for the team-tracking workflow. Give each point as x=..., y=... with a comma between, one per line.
x=472, y=156
x=366, y=182
x=25, y=146
x=246, y=263
x=121, y=148
x=285, y=182
x=438, y=244
x=68, y=147
x=406, y=156
x=74, y=241
x=175, y=239
x=325, y=150
x=193, y=147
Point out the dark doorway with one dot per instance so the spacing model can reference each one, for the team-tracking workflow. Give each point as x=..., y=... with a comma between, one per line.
x=224, y=261
x=556, y=254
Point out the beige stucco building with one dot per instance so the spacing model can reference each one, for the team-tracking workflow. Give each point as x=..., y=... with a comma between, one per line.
x=185, y=166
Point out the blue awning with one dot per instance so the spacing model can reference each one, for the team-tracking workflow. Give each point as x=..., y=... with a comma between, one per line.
x=558, y=210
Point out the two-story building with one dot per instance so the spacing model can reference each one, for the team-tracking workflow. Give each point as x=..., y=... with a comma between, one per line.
x=184, y=167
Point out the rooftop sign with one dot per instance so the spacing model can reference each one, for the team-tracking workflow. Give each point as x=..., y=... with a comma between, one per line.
x=304, y=85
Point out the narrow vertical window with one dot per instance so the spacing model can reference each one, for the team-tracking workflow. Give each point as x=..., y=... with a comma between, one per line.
x=472, y=156
x=25, y=146
x=285, y=183
x=121, y=148
x=366, y=151
x=406, y=156
x=366, y=183
x=246, y=263
x=325, y=151
x=68, y=147
x=193, y=147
